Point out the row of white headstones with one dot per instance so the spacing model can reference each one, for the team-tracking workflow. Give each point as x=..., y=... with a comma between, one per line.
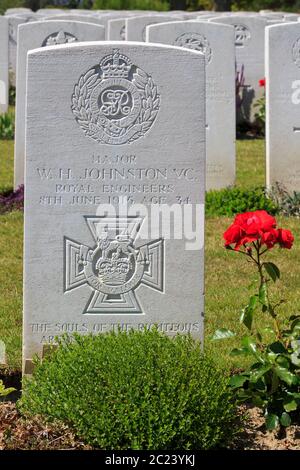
x=115, y=165
x=232, y=43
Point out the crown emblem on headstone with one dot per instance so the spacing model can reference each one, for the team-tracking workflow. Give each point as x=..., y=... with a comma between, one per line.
x=196, y=42
x=115, y=102
x=61, y=37
x=115, y=65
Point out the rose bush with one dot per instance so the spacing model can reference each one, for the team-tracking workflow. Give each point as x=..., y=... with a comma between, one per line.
x=272, y=382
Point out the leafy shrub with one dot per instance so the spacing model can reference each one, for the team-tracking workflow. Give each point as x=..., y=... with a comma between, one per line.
x=7, y=126
x=231, y=201
x=159, y=5
x=136, y=390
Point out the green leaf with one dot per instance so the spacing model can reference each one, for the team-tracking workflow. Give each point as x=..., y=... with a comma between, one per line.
x=283, y=361
x=222, y=333
x=290, y=404
x=285, y=419
x=6, y=391
x=272, y=421
x=272, y=270
x=247, y=312
x=277, y=348
x=293, y=317
x=243, y=395
x=239, y=352
x=237, y=381
x=295, y=345
x=295, y=358
x=250, y=345
x=295, y=324
x=263, y=294
x=256, y=374
x=285, y=375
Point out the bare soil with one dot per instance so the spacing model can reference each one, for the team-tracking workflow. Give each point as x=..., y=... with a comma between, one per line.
x=18, y=433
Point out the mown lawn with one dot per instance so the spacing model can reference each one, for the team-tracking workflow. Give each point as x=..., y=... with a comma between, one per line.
x=6, y=164
x=228, y=275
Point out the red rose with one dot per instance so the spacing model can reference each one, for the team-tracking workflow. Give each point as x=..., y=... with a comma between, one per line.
x=254, y=223
x=233, y=235
x=285, y=238
x=249, y=227
x=262, y=82
x=270, y=238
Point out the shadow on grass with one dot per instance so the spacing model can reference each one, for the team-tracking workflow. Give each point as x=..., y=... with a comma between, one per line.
x=12, y=200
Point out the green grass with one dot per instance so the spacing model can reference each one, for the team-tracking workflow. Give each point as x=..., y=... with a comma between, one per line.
x=228, y=275
x=6, y=165
x=11, y=240
x=250, y=163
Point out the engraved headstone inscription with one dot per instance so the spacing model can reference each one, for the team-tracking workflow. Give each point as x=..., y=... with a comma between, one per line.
x=3, y=64
x=33, y=36
x=283, y=105
x=249, y=49
x=216, y=42
x=114, y=202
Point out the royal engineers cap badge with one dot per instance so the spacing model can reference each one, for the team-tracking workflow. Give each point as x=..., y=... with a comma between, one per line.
x=115, y=102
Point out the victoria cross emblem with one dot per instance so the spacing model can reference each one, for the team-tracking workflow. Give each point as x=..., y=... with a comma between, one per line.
x=115, y=102
x=114, y=267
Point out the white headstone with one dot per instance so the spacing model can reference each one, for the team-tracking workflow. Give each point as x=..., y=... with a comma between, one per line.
x=17, y=11
x=4, y=84
x=13, y=23
x=250, y=46
x=136, y=26
x=82, y=18
x=33, y=36
x=283, y=105
x=126, y=122
x=216, y=41
x=116, y=29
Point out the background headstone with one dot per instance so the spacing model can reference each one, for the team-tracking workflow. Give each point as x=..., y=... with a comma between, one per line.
x=283, y=105
x=136, y=26
x=75, y=162
x=33, y=36
x=216, y=41
x=116, y=29
x=13, y=23
x=250, y=46
x=4, y=85
x=82, y=18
